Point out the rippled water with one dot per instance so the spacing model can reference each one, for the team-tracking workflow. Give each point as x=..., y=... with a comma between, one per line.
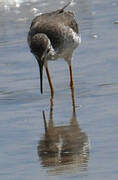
x=89, y=134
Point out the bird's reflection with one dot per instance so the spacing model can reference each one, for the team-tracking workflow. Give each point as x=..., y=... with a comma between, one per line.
x=63, y=147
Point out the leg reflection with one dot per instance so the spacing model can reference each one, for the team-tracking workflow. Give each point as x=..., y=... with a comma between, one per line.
x=63, y=146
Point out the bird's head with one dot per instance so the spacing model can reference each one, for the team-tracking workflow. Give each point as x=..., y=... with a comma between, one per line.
x=42, y=49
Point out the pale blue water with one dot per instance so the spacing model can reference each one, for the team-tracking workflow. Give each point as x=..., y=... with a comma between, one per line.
x=96, y=85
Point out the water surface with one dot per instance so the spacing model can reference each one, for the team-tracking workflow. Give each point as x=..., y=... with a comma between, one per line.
x=24, y=152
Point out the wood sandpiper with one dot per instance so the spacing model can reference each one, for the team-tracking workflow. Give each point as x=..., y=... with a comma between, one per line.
x=51, y=36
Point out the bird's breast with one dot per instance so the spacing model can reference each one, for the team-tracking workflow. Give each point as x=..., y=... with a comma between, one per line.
x=69, y=40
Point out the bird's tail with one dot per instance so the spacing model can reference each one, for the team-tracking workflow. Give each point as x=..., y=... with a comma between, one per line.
x=66, y=5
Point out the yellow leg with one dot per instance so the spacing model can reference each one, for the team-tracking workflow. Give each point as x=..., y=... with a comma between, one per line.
x=71, y=78
x=73, y=100
x=72, y=88
x=50, y=82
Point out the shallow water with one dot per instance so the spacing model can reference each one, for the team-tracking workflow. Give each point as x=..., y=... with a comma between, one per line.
x=91, y=143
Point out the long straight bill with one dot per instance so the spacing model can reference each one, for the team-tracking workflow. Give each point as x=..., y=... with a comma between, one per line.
x=41, y=78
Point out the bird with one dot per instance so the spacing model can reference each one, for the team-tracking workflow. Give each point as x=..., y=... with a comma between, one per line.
x=54, y=35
